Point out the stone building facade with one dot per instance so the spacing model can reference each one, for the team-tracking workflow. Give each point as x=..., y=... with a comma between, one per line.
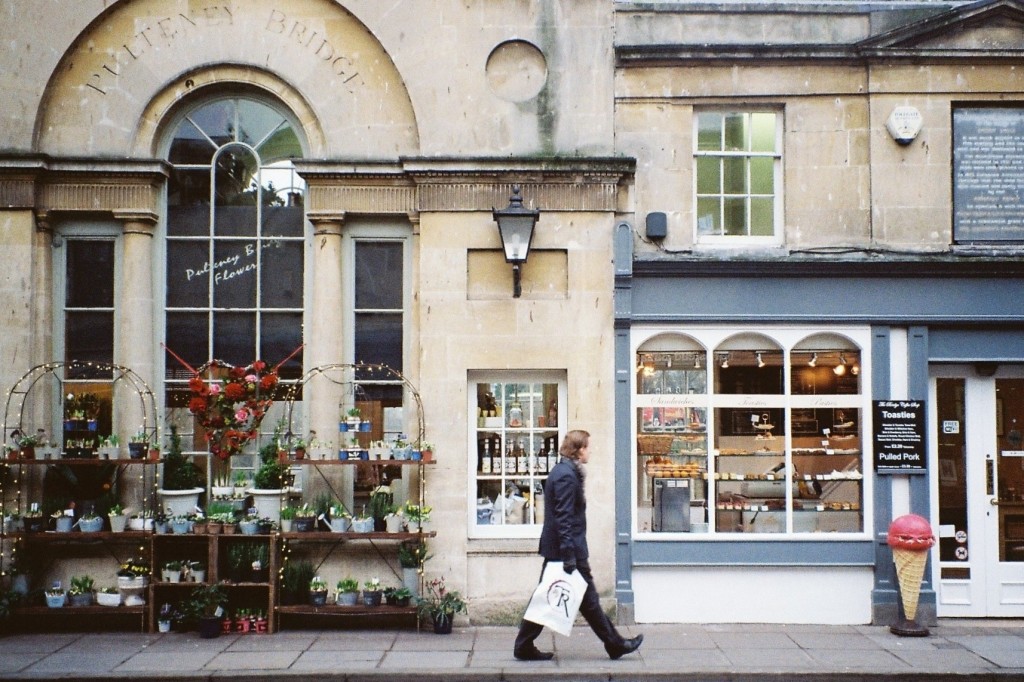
x=761, y=183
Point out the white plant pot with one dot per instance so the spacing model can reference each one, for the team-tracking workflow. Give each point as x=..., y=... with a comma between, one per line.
x=106, y=599
x=393, y=523
x=118, y=523
x=411, y=580
x=268, y=502
x=179, y=502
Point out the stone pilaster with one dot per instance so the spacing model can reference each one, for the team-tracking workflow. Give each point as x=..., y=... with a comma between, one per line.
x=134, y=332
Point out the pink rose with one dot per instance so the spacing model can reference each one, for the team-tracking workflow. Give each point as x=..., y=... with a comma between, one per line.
x=251, y=378
x=241, y=415
x=214, y=389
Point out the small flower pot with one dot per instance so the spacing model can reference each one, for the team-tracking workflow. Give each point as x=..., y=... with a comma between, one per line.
x=180, y=527
x=229, y=529
x=108, y=599
x=346, y=598
x=119, y=522
x=318, y=598
x=163, y=626
x=442, y=624
x=65, y=524
x=93, y=525
x=303, y=524
x=248, y=527
x=372, y=597
x=136, y=450
x=209, y=627
x=84, y=599
x=56, y=601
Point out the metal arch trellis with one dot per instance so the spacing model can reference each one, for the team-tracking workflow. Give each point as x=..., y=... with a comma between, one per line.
x=18, y=394
x=385, y=371
x=24, y=386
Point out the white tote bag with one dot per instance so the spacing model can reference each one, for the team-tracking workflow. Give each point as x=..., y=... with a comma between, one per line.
x=556, y=601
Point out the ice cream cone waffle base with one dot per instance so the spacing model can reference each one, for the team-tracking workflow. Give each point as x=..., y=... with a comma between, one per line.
x=909, y=571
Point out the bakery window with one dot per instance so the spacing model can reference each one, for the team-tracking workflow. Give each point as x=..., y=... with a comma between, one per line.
x=738, y=177
x=516, y=423
x=749, y=433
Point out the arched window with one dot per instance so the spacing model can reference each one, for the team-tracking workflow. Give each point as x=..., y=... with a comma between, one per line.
x=235, y=229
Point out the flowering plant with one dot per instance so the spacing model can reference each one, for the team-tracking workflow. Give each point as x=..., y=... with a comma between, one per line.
x=231, y=409
x=440, y=601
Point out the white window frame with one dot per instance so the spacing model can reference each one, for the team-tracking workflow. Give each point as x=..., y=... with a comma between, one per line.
x=777, y=236
x=787, y=337
x=475, y=377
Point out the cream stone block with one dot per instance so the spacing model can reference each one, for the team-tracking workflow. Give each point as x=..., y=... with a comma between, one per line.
x=960, y=79
x=738, y=81
x=914, y=228
x=544, y=275
x=17, y=314
x=838, y=113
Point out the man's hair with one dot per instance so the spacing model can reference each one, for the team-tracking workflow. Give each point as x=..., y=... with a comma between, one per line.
x=575, y=441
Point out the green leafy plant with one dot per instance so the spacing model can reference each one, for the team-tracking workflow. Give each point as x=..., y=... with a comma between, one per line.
x=412, y=554
x=296, y=575
x=288, y=513
x=81, y=584
x=439, y=601
x=317, y=584
x=349, y=584
x=382, y=502
x=180, y=472
x=205, y=600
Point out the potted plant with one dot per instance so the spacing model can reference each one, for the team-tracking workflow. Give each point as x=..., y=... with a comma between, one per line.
x=411, y=557
x=397, y=596
x=382, y=503
x=440, y=605
x=34, y=521
x=55, y=597
x=165, y=618
x=110, y=447
x=270, y=480
x=172, y=572
x=183, y=481
x=206, y=604
x=348, y=591
x=108, y=596
x=427, y=451
x=295, y=579
x=90, y=522
x=299, y=448
x=27, y=444
x=305, y=519
x=250, y=523
x=353, y=419
x=416, y=515
x=241, y=482
x=118, y=519
x=340, y=520
x=288, y=518
x=317, y=592
x=138, y=445
x=63, y=521
x=372, y=592
x=260, y=563
x=81, y=591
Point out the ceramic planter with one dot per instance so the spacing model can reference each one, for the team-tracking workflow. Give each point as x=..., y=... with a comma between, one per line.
x=372, y=597
x=65, y=524
x=93, y=525
x=318, y=598
x=179, y=502
x=346, y=598
x=118, y=523
x=84, y=599
x=55, y=601
x=107, y=599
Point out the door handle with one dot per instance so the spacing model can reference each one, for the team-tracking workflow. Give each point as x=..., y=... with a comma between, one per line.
x=994, y=501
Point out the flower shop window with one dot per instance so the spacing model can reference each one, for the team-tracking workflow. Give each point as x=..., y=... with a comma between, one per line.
x=771, y=445
x=515, y=430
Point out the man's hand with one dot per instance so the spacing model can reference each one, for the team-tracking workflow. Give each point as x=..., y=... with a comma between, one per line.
x=569, y=566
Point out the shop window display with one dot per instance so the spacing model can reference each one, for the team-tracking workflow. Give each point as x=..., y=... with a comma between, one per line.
x=770, y=446
x=516, y=431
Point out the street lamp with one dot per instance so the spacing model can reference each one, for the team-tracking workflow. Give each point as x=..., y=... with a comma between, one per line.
x=515, y=224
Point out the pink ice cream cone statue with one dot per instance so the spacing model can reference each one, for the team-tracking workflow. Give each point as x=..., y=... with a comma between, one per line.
x=910, y=537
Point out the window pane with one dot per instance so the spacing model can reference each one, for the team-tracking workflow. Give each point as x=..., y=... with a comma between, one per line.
x=735, y=216
x=762, y=213
x=709, y=132
x=188, y=202
x=749, y=372
x=234, y=274
x=281, y=275
x=280, y=335
x=236, y=193
x=255, y=122
x=217, y=120
x=90, y=273
x=762, y=128
x=762, y=175
x=378, y=339
x=709, y=175
x=379, y=275
x=734, y=172
x=234, y=337
x=187, y=337
x=190, y=146
x=735, y=132
x=708, y=217
x=283, y=221
x=282, y=144
x=187, y=274
x=89, y=336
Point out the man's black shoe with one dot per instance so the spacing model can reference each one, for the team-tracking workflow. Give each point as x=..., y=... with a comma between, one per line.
x=533, y=654
x=628, y=646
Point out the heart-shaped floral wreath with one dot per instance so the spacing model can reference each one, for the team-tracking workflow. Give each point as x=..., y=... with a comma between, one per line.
x=231, y=409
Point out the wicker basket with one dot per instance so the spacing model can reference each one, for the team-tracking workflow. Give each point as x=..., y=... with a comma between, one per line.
x=654, y=444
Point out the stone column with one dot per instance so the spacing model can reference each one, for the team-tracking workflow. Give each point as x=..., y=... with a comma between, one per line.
x=135, y=343
x=324, y=338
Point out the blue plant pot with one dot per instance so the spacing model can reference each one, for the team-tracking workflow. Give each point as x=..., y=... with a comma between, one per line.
x=91, y=525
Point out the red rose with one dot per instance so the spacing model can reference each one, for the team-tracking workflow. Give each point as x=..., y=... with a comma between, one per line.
x=196, y=384
x=268, y=382
x=259, y=366
x=197, y=405
x=234, y=391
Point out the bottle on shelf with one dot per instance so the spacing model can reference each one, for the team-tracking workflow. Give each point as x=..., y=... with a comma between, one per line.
x=510, y=459
x=522, y=458
x=485, y=459
x=552, y=454
x=496, y=461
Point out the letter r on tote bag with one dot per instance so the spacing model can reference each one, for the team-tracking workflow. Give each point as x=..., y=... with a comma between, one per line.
x=557, y=599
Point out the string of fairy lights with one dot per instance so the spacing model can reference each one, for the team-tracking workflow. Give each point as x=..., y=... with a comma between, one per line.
x=64, y=373
x=111, y=374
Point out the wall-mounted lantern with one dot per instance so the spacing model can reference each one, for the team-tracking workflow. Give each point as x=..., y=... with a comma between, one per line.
x=515, y=224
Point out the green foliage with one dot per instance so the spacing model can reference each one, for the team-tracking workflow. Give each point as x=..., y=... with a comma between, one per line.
x=412, y=554
x=296, y=575
x=205, y=600
x=180, y=472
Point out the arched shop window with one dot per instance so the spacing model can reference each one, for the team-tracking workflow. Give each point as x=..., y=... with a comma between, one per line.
x=769, y=444
x=234, y=239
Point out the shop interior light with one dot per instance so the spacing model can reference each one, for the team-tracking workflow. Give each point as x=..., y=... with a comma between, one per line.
x=725, y=361
x=840, y=369
x=813, y=362
x=760, y=360
x=648, y=365
x=696, y=360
